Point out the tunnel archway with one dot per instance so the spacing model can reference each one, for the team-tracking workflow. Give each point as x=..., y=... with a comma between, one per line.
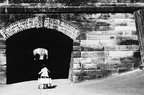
x=21, y=65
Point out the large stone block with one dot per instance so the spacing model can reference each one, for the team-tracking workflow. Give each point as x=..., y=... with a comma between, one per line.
x=128, y=41
x=92, y=54
x=112, y=61
x=2, y=78
x=94, y=60
x=100, y=37
x=76, y=54
x=125, y=28
x=101, y=33
x=77, y=66
x=77, y=72
x=90, y=48
x=76, y=79
x=2, y=74
x=86, y=60
x=127, y=37
x=111, y=48
x=121, y=21
x=122, y=15
x=88, y=24
x=128, y=47
x=104, y=28
x=119, y=54
x=2, y=59
x=113, y=33
x=108, y=42
x=98, y=60
x=2, y=46
x=2, y=41
x=2, y=51
x=104, y=66
x=82, y=35
x=76, y=60
x=76, y=43
x=76, y=48
x=89, y=66
x=91, y=74
x=90, y=43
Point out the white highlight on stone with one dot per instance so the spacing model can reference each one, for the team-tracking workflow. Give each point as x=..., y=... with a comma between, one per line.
x=118, y=54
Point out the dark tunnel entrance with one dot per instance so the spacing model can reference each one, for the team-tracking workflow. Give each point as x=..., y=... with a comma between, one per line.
x=21, y=65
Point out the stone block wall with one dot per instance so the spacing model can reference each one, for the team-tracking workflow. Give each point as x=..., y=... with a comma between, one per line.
x=107, y=44
x=2, y=61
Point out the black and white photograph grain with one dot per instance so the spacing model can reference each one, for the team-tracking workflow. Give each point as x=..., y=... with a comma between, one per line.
x=71, y=47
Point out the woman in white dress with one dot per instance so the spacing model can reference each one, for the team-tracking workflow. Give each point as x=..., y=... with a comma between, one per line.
x=45, y=79
x=44, y=72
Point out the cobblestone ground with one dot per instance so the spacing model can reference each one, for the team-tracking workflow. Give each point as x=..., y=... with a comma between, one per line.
x=130, y=83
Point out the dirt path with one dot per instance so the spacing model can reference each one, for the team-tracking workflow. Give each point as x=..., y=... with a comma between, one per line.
x=131, y=83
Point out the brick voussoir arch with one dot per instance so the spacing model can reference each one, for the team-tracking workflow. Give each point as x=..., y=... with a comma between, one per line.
x=37, y=22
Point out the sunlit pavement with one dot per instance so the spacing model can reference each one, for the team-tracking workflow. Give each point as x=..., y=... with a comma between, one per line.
x=130, y=83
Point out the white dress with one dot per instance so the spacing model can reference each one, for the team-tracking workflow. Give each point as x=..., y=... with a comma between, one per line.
x=44, y=72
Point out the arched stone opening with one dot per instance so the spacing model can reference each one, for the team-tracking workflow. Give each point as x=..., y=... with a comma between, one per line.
x=59, y=43
x=20, y=63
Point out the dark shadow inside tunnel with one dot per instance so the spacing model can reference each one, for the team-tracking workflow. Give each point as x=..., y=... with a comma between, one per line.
x=21, y=65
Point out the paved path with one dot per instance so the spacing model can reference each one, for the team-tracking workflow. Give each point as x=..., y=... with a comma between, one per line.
x=131, y=83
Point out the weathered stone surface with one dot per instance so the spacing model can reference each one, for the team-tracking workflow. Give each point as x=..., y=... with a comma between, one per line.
x=2, y=42
x=76, y=54
x=77, y=72
x=76, y=60
x=122, y=48
x=76, y=79
x=76, y=7
x=77, y=66
x=2, y=59
x=94, y=60
x=103, y=66
x=90, y=43
x=2, y=51
x=105, y=33
x=128, y=47
x=109, y=42
x=91, y=54
x=76, y=48
x=118, y=54
x=98, y=60
x=86, y=60
x=76, y=43
x=2, y=74
x=91, y=74
x=99, y=37
x=90, y=48
x=111, y=48
x=89, y=66
x=112, y=61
